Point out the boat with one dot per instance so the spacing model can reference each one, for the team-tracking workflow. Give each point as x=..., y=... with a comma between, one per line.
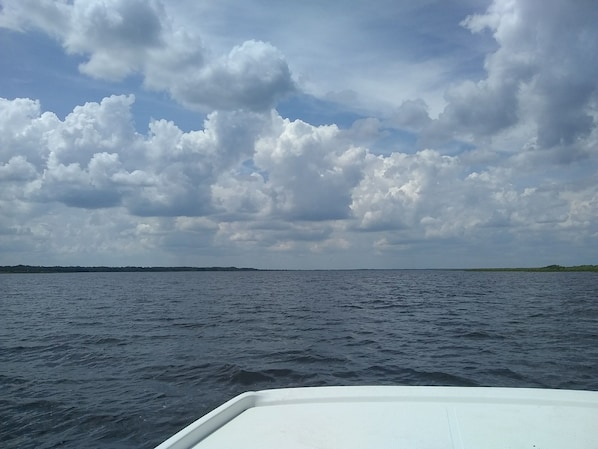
x=401, y=417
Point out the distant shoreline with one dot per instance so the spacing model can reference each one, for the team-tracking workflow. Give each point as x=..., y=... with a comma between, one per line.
x=549, y=268
x=103, y=269
x=134, y=269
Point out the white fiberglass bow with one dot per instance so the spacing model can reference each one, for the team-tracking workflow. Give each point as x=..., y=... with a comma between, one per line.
x=398, y=417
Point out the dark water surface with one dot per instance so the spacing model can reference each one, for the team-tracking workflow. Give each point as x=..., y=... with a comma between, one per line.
x=124, y=360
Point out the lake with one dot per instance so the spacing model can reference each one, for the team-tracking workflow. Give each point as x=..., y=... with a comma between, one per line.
x=124, y=360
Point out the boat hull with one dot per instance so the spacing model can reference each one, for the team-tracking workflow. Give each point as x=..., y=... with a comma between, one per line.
x=398, y=417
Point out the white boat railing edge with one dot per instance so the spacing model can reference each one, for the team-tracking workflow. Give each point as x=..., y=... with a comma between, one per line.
x=198, y=430
x=194, y=433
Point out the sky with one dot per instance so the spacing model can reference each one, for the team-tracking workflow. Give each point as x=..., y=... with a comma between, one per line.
x=299, y=135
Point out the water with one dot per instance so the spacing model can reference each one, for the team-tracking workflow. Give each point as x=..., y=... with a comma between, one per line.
x=124, y=360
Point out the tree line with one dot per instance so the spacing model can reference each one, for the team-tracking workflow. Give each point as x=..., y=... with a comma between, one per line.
x=80, y=269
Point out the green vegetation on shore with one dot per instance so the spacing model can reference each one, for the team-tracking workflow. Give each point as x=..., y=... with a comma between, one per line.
x=549, y=268
x=77, y=269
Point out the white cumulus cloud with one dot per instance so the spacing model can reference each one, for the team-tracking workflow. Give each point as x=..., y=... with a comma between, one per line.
x=249, y=180
x=121, y=38
x=481, y=146
x=541, y=79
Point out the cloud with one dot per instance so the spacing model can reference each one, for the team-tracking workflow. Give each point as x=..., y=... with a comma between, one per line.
x=22, y=126
x=540, y=79
x=96, y=159
x=121, y=38
x=17, y=169
x=411, y=115
x=310, y=172
x=399, y=190
x=415, y=152
x=254, y=75
x=252, y=180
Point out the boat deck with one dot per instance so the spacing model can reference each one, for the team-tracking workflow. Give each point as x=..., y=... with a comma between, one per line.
x=398, y=417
